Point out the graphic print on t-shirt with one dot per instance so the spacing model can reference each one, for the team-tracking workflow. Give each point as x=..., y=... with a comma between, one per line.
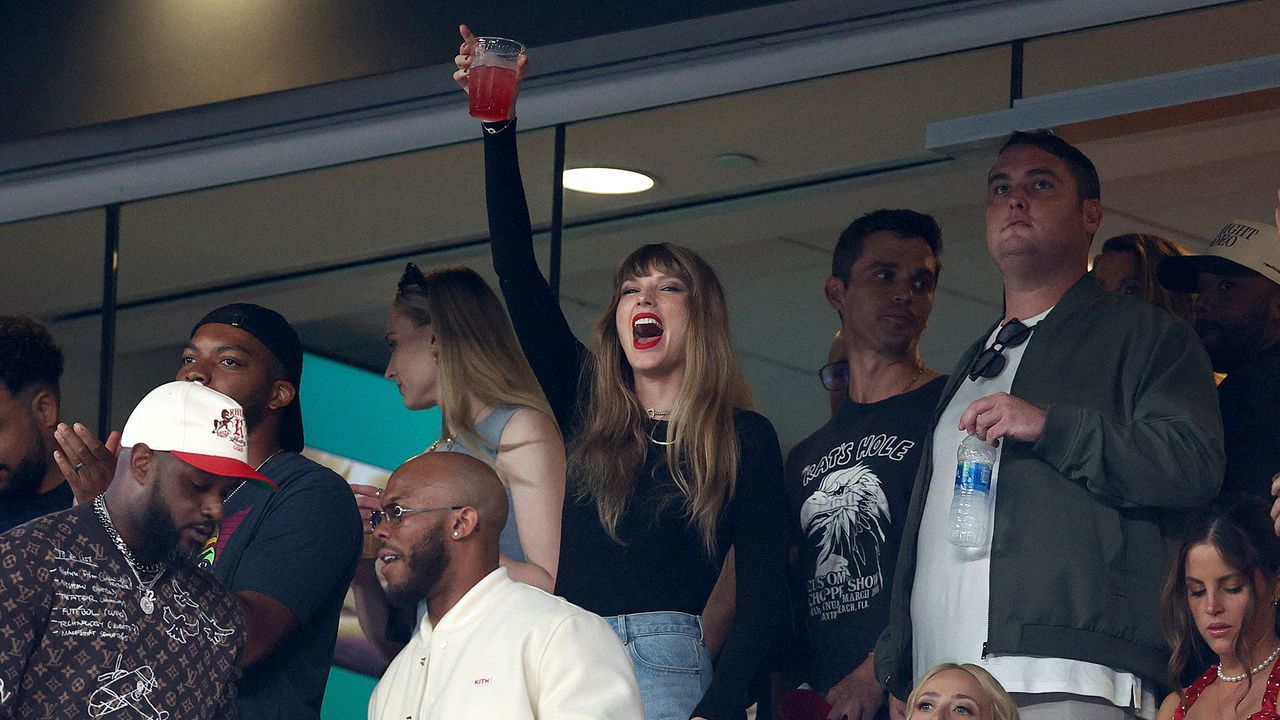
x=845, y=518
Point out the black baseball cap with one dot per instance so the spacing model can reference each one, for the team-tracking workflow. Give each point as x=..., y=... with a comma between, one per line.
x=278, y=336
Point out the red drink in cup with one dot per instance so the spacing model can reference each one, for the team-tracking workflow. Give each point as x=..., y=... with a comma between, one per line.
x=491, y=84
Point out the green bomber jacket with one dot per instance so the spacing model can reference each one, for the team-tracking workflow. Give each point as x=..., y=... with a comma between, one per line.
x=1087, y=517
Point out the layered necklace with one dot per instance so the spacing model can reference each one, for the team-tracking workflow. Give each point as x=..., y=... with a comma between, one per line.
x=1252, y=671
x=660, y=415
x=146, y=594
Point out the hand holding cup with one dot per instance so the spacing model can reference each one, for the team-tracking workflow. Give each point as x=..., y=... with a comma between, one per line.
x=490, y=70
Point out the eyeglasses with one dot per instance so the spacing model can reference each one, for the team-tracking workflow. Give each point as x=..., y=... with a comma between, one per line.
x=835, y=376
x=395, y=514
x=412, y=276
x=991, y=362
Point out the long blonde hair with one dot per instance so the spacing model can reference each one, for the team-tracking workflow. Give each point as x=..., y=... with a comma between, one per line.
x=479, y=354
x=1002, y=706
x=703, y=450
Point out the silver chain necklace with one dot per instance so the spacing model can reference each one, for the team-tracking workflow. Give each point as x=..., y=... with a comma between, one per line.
x=1252, y=671
x=147, y=596
x=232, y=494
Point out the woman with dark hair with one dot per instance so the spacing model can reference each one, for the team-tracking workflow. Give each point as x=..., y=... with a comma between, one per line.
x=1127, y=265
x=668, y=468
x=1220, y=600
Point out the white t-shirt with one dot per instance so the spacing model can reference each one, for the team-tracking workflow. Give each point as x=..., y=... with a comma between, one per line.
x=951, y=595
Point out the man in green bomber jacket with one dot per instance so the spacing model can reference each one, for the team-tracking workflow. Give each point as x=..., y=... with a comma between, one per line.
x=1108, y=431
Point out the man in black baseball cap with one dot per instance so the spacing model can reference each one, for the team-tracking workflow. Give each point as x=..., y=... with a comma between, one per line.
x=288, y=556
x=275, y=334
x=1237, y=315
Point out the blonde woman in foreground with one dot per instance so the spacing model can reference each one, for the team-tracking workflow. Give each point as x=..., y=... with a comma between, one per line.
x=960, y=691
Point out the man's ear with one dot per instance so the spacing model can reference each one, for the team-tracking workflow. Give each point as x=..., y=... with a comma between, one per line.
x=833, y=290
x=1092, y=217
x=466, y=522
x=44, y=405
x=283, y=392
x=142, y=463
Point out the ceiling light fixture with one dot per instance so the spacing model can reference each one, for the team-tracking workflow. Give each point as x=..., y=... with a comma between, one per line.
x=606, y=181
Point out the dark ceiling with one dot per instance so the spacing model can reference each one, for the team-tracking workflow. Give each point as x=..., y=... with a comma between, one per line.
x=72, y=64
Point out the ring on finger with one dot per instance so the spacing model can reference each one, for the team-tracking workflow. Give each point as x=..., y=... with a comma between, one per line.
x=79, y=466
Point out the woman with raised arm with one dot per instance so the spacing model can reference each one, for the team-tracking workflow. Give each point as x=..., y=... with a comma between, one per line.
x=452, y=346
x=668, y=465
x=1220, y=601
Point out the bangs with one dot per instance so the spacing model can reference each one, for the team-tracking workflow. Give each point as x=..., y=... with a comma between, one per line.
x=655, y=258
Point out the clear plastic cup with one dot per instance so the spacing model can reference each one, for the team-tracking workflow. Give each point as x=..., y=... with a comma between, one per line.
x=491, y=83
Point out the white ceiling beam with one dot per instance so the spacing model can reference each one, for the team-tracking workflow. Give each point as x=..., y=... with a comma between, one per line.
x=958, y=135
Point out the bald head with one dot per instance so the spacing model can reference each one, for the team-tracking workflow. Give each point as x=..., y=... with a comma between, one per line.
x=451, y=478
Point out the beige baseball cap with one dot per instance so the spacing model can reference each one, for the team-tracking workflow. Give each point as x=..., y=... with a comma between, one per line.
x=1241, y=246
x=198, y=425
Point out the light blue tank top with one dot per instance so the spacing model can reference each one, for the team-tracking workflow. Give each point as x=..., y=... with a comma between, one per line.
x=490, y=431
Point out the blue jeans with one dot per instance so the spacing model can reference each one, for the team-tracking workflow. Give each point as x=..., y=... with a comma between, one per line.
x=673, y=667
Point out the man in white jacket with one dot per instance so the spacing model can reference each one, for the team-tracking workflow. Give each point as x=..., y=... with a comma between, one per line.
x=488, y=647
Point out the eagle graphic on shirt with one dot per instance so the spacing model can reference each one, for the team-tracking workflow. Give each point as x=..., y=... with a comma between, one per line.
x=845, y=519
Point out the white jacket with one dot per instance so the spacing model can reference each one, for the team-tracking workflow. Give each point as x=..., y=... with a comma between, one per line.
x=510, y=651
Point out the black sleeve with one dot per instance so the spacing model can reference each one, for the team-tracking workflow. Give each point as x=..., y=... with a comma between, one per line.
x=554, y=353
x=758, y=517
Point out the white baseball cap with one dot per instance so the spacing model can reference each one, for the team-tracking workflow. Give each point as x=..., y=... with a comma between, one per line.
x=1241, y=246
x=198, y=425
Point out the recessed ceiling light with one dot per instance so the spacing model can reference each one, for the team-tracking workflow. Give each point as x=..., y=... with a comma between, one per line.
x=606, y=181
x=736, y=161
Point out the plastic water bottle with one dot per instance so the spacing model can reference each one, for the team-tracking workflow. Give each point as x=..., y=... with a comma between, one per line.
x=971, y=503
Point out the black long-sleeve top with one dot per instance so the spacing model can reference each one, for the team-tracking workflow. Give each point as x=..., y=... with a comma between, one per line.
x=661, y=564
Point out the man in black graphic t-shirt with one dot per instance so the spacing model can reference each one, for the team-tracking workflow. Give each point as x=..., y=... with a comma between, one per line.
x=850, y=482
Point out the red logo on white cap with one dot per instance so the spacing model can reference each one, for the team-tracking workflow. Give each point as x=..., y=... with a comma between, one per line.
x=231, y=427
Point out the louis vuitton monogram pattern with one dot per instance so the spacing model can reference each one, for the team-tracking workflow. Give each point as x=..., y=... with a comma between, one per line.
x=75, y=642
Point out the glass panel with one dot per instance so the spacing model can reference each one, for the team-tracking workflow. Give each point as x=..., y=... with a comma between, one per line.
x=52, y=271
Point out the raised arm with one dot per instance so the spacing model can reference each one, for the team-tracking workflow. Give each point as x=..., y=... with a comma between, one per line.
x=554, y=353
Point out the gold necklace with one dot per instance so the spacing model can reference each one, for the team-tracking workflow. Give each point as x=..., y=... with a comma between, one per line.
x=914, y=378
x=446, y=441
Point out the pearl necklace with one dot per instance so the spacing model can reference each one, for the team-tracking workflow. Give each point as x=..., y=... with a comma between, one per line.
x=147, y=596
x=1253, y=671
